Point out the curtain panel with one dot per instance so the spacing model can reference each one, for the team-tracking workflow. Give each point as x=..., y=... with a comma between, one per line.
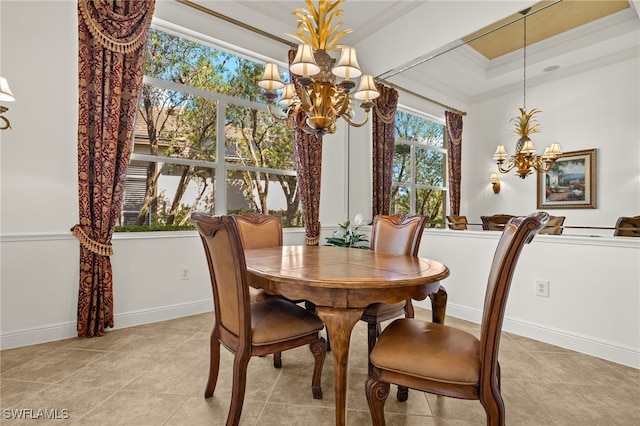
x=454, y=134
x=383, y=139
x=112, y=36
x=308, y=151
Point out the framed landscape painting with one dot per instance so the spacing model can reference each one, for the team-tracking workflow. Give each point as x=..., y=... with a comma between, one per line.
x=570, y=183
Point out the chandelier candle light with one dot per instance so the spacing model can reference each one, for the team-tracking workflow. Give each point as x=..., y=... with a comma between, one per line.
x=315, y=90
x=525, y=158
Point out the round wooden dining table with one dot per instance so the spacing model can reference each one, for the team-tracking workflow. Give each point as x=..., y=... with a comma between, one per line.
x=342, y=282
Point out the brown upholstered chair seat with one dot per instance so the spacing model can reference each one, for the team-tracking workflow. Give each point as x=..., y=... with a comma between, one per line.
x=276, y=320
x=453, y=354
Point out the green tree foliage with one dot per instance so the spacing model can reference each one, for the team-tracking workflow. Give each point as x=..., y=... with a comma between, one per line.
x=168, y=57
x=258, y=141
x=429, y=170
x=185, y=126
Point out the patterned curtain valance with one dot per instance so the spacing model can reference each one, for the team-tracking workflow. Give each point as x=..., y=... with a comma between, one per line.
x=118, y=25
x=386, y=104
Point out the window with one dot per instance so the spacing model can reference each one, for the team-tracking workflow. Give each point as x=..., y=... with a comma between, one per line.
x=419, y=168
x=205, y=141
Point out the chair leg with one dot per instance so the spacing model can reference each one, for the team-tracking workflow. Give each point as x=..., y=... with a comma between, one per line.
x=214, y=365
x=377, y=393
x=238, y=388
x=438, y=305
x=311, y=307
x=494, y=409
x=319, y=351
x=403, y=391
x=372, y=336
x=491, y=399
x=408, y=309
x=277, y=359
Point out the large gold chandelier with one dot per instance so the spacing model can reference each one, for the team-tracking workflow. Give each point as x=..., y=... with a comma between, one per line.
x=525, y=160
x=315, y=90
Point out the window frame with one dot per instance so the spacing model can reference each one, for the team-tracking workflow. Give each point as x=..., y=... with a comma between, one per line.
x=412, y=187
x=220, y=166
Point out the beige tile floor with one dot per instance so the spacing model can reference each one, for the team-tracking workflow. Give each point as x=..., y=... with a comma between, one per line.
x=155, y=375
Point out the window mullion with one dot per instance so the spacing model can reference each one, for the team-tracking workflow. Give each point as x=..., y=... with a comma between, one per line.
x=220, y=194
x=412, y=180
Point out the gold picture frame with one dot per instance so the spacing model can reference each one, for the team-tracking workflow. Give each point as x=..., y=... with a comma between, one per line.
x=570, y=183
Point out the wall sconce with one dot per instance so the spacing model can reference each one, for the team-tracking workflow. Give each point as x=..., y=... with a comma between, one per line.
x=495, y=182
x=5, y=96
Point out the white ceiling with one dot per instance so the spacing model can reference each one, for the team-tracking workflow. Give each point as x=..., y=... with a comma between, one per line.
x=393, y=36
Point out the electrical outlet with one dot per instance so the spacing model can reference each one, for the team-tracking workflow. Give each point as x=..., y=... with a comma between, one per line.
x=184, y=273
x=542, y=288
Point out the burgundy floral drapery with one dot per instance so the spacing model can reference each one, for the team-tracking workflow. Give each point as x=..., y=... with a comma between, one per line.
x=454, y=133
x=112, y=36
x=308, y=151
x=383, y=122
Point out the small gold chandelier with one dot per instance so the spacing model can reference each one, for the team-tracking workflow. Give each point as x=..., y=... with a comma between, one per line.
x=315, y=90
x=525, y=159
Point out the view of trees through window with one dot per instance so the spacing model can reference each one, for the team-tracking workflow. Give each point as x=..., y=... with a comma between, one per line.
x=419, y=168
x=204, y=140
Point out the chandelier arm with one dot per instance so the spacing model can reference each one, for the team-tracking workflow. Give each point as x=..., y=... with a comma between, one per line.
x=509, y=166
x=344, y=105
x=6, y=124
x=351, y=123
x=275, y=116
x=543, y=166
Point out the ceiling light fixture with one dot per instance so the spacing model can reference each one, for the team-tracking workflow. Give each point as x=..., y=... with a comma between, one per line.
x=525, y=158
x=315, y=89
x=5, y=96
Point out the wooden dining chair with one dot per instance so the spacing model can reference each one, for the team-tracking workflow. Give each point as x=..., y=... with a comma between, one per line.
x=627, y=227
x=396, y=234
x=495, y=222
x=260, y=231
x=244, y=328
x=448, y=361
x=458, y=223
x=554, y=226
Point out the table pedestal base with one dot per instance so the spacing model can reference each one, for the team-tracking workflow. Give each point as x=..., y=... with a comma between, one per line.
x=340, y=323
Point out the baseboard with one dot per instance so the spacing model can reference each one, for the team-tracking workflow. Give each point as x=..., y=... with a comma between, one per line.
x=579, y=343
x=584, y=344
x=50, y=333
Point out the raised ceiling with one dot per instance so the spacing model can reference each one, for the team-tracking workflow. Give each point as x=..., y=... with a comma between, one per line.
x=543, y=21
x=403, y=41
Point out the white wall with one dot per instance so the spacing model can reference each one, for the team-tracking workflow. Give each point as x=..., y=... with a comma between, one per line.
x=594, y=109
x=39, y=257
x=594, y=293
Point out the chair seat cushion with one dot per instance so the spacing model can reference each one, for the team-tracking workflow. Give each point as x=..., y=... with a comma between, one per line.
x=428, y=350
x=275, y=320
x=382, y=309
